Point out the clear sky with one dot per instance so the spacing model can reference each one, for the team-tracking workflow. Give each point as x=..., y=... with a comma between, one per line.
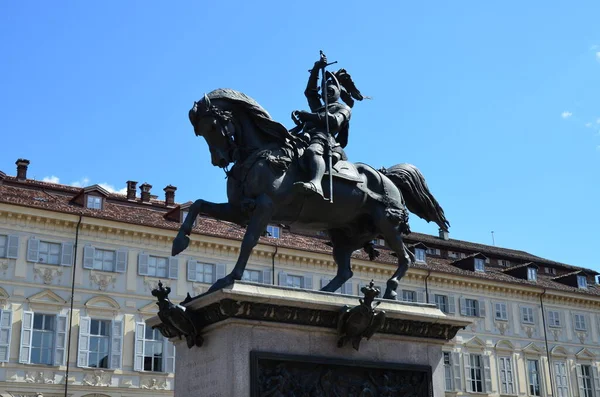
x=495, y=102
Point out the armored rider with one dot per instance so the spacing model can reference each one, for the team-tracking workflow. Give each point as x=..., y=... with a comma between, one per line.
x=315, y=123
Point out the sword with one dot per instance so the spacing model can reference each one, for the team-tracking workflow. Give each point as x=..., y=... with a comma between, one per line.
x=329, y=148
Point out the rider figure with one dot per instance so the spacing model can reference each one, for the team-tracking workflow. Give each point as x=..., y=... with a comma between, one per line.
x=315, y=126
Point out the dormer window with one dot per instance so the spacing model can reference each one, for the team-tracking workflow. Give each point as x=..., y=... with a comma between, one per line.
x=420, y=254
x=273, y=231
x=479, y=264
x=433, y=251
x=94, y=202
x=581, y=282
x=531, y=274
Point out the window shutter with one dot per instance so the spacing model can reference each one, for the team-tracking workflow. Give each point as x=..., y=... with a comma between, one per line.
x=116, y=344
x=456, y=371
x=420, y=297
x=143, y=264
x=60, y=344
x=221, y=271
x=12, y=250
x=5, y=333
x=468, y=380
x=580, y=380
x=596, y=380
x=88, y=258
x=282, y=278
x=308, y=281
x=138, y=361
x=267, y=276
x=26, y=336
x=451, y=305
x=324, y=281
x=66, y=254
x=173, y=268
x=121, y=262
x=481, y=303
x=463, y=306
x=33, y=249
x=84, y=342
x=487, y=374
x=169, y=349
x=191, y=269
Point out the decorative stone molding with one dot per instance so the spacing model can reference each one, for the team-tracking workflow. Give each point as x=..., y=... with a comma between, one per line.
x=40, y=377
x=581, y=335
x=528, y=329
x=47, y=273
x=3, y=265
x=102, y=305
x=154, y=384
x=97, y=378
x=126, y=382
x=3, y=297
x=46, y=299
x=152, y=282
x=556, y=333
x=102, y=279
x=502, y=326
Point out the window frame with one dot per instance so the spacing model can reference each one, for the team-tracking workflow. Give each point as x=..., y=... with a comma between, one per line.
x=554, y=319
x=413, y=295
x=420, y=255
x=108, y=338
x=477, y=370
x=156, y=258
x=538, y=377
x=247, y=272
x=531, y=274
x=564, y=376
x=479, y=265
x=444, y=304
x=474, y=309
x=448, y=372
x=97, y=202
x=104, y=260
x=273, y=231
x=527, y=315
x=43, y=332
x=154, y=342
x=294, y=277
x=503, y=311
x=579, y=323
x=508, y=369
x=582, y=282
x=200, y=270
x=49, y=244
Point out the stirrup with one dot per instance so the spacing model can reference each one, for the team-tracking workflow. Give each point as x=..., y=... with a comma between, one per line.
x=307, y=188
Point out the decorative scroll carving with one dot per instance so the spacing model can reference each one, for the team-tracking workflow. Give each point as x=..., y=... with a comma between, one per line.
x=40, y=377
x=97, y=378
x=102, y=280
x=154, y=384
x=282, y=375
x=47, y=273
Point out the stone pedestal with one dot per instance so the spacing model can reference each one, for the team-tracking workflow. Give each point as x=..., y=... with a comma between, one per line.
x=259, y=337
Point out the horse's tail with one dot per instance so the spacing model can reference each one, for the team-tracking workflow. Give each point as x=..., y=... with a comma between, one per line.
x=416, y=194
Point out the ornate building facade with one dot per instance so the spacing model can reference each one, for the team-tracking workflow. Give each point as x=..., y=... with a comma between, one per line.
x=77, y=266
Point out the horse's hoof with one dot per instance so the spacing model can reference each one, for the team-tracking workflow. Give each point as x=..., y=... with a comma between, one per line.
x=180, y=244
x=221, y=283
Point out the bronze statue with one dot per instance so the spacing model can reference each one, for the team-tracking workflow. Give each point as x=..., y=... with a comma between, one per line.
x=261, y=186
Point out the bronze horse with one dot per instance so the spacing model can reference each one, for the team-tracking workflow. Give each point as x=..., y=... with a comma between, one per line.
x=265, y=156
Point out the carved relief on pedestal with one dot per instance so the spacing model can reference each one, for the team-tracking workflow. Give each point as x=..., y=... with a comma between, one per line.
x=102, y=280
x=154, y=384
x=98, y=378
x=47, y=273
x=40, y=377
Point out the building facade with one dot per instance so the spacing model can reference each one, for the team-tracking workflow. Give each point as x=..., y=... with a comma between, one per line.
x=77, y=266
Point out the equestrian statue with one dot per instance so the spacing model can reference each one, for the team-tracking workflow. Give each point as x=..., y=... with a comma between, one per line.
x=289, y=177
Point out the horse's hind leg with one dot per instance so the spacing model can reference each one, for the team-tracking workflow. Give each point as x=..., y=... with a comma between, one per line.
x=393, y=237
x=342, y=254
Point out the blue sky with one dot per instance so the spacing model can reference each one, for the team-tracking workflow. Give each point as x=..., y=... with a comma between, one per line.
x=497, y=104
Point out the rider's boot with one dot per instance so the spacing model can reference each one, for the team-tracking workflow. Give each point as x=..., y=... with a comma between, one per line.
x=316, y=165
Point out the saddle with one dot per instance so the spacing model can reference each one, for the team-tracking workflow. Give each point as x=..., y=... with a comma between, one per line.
x=345, y=170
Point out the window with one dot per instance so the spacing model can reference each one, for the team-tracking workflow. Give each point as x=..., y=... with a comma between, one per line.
x=49, y=253
x=533, y=377
x=441, y=301
x=94, y=202
x=472, y=307
x=420, y=254
x=157, y=266
x=549, y=270
x=531, y=274
x=582, y=282
x=3, y=244
x=294, y=281
x=153, y=350
x=252, y=275
x=273, y=231
x=560, y=377
x=553, y=318
x=527, y=315
x=500, y=312
x=580, y=322
x=104, y=260
x=476, y=372
x=503, y=263
x=99, y=343
x=408, y=296
x=479, y=265
x=452, y=254
x=42, y=342
x=378, y=241
x=205, y=273
x=507, y=383
x=447, y=371
x=433, y=251
x=586, y=382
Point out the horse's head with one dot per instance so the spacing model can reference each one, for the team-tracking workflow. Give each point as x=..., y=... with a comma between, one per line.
x=213, y=123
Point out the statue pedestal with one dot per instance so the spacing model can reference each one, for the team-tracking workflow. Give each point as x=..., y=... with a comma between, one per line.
x=260, y=338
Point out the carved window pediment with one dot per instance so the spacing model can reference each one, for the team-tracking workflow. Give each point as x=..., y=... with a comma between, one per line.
x=559, y=351
x=505, y=345
x=585, y=354
x=475, y=343
x=46, y=299
x=102, y=305
x=533, y=349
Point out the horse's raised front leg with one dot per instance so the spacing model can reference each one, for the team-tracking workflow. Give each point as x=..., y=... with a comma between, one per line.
x=261, y=216
x=222, y=211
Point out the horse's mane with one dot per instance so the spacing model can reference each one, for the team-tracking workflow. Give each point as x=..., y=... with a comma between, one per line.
x=257, y=113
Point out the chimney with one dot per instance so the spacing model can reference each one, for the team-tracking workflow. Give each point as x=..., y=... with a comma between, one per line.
x=22, y=165
x=444, y=234
x=145, y=188
x=2, y=177
x=170, y=195
x=131, y=186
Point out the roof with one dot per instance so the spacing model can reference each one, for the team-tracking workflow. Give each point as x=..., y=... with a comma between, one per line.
x=55, y=197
